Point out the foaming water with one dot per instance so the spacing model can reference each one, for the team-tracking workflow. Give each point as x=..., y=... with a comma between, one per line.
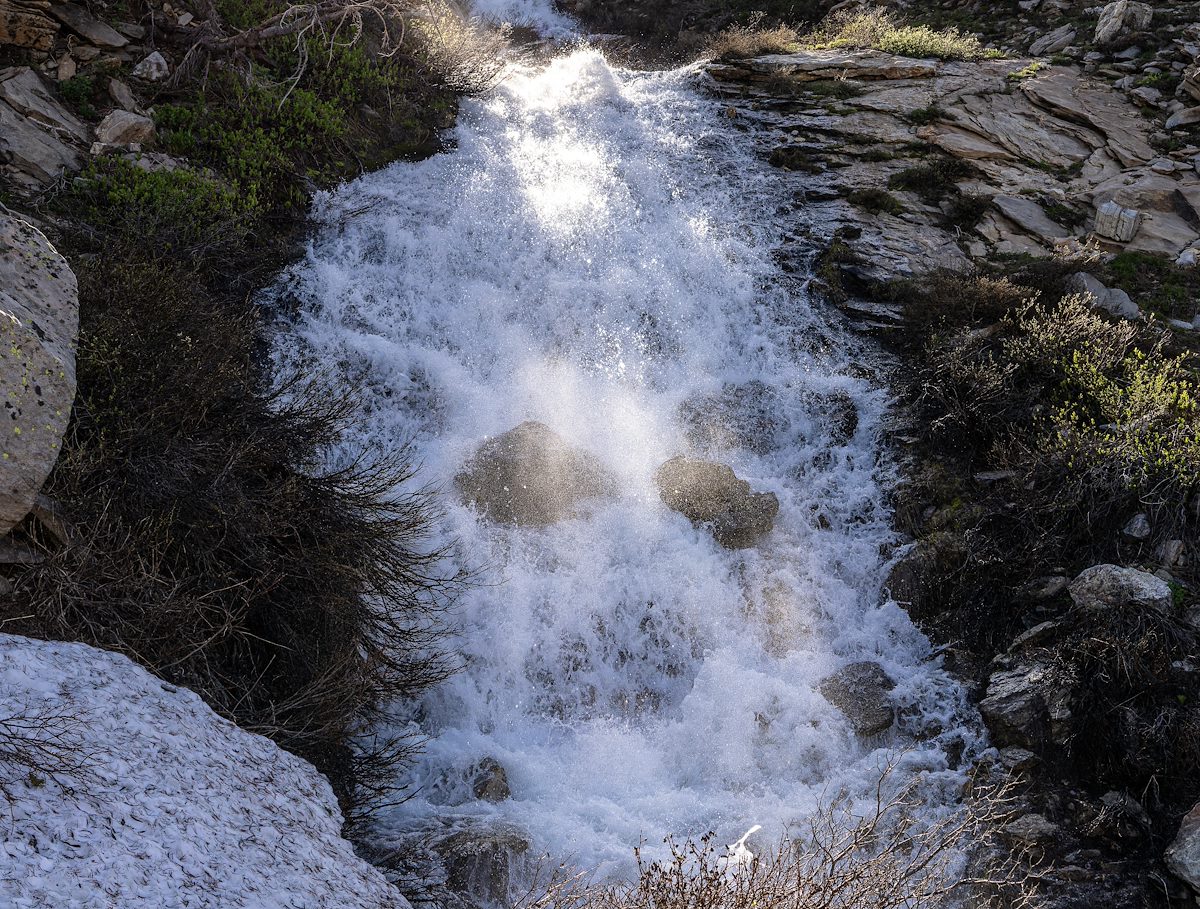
x=596, y=254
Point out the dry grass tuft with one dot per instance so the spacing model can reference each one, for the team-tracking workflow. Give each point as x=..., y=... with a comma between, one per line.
x=752, y=40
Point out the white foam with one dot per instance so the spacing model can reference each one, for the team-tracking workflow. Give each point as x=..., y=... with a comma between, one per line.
x=597, y=250
x=540, y=14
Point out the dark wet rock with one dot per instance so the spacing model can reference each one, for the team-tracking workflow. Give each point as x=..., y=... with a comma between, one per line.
x=479, y=862
x=531, y=476
x=710, y=494
x=491, y=781
x=861, y=691
x=1014, y=708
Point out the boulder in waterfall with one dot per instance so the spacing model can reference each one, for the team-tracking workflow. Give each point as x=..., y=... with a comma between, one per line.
x=1121, y=17
x=1117, y=587
x=711, y=494
x=1183, y=856
x=531, y=476
x=861, y=691
x=39, y=323
x=490, y=781
x=479, y=860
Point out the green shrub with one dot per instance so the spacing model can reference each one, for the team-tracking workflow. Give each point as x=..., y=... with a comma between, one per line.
x=165, y=214
x=932, y=179
x=876, y=200
x=879, y=29
x=80, y=93
x=923, y=116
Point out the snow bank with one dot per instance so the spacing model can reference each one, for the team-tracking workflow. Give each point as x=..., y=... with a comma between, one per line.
x=178, y=807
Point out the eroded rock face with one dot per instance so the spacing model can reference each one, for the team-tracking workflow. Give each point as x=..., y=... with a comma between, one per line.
x=531, y=476
x=861, y=691
x=38, y=136
x=39, y=324
x=711, y=494
x=26, y=24
x=1116, y=587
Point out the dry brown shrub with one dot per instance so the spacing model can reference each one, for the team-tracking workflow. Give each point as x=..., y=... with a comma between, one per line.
x=844, y=857
x=752, y=40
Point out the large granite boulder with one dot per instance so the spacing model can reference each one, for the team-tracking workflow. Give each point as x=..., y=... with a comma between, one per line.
x=531, y=476
x=861, y=691
x=39, y=324
x=711, y=495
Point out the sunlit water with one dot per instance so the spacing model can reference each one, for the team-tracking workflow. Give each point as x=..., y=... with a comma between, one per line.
x=595, y=253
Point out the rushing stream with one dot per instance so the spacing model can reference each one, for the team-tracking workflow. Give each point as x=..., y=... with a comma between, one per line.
x=597, y=253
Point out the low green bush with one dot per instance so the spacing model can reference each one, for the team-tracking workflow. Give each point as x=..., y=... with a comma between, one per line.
x=879, y=29
x=164, y=214
x=876, y=201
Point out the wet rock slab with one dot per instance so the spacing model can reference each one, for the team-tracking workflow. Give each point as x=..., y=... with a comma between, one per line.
x=861, y=691
x=531, y=476
x=711, y=495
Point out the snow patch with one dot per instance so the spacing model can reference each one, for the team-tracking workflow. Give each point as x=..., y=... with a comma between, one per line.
x=177, y=807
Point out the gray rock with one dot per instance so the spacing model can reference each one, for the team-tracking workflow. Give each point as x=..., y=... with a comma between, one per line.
x=124, y=128
x=531, y=476
x=710, y=494
x=1189, y=116
x=1014, y=708
x=122, y=95
x=39, y=300
x=1053, y=42
x=82, y=23
x=1116, y=587
x=27, y=93
x=1137, y=528
x=860, y=691
x=1121, y=17
x=153, y=69
x=1183, y=856
x=1018, y=760
x=34, y=155
x=1168, y=552
x=1030, y=217
x=1111, y=300
x=1116, y=222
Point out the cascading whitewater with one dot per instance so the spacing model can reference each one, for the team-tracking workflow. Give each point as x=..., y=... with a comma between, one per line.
x=597, y=253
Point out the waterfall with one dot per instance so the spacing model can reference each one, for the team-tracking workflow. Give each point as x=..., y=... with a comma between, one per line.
x=598, y=252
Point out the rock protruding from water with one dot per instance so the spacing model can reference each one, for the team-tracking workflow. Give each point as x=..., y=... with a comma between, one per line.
x=861, y=691
x=479, y=861
x=39, y=322
x=491, y=781
x=1115, y=587
x=711, y=494
x=531, y=476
